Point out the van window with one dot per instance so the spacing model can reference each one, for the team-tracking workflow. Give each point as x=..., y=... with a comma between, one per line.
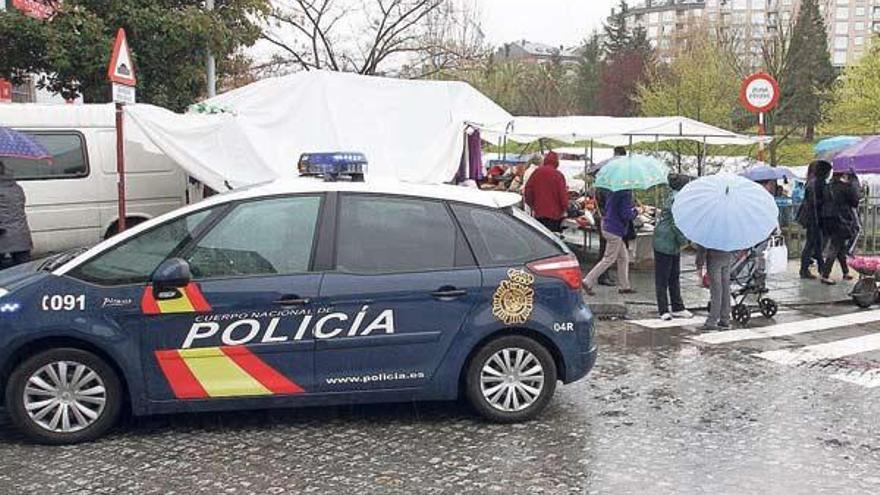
x=69, y=158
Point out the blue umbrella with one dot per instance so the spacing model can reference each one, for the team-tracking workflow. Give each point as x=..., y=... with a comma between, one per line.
x=14, y=144
x=830, y=146
x=631, y=172
x=765, y=172
x=725, y=212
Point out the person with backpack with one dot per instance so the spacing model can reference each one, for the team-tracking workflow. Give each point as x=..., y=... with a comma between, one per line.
x=668, y=242
x=810, y=217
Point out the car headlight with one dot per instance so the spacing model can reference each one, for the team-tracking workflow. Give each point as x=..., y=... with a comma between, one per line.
x=3, y=292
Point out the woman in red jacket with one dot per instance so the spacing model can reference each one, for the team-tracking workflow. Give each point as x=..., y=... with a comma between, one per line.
x=546, y=193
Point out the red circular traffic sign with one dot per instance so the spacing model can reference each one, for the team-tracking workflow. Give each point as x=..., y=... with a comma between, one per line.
x=759, y=93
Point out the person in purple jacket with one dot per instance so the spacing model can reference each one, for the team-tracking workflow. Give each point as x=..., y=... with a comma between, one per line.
x=619, y=212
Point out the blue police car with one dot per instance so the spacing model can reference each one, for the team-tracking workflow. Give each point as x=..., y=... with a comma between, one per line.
x=297, y=293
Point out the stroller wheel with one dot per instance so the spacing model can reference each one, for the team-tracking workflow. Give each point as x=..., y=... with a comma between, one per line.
x=741, y=314
x=768, y=307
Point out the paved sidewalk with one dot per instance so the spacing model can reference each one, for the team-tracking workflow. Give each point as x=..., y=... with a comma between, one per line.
x=786, y=289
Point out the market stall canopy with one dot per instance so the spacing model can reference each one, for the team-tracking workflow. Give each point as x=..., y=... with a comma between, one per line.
x=409, y=130
x=616, y=131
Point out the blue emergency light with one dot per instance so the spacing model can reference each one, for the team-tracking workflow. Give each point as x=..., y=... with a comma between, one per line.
x=333, y=166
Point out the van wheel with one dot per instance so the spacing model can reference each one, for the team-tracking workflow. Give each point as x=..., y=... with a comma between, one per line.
x=511, y=379
x=63, y=396
x=129, y=223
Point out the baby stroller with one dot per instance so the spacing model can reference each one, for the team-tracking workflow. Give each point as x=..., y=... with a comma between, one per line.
x=748, y=277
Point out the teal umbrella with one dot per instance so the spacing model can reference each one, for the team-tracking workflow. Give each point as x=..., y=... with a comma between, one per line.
x=829, y=147
x=632, y=172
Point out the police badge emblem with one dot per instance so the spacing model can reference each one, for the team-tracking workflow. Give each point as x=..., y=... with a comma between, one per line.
x=514, y=298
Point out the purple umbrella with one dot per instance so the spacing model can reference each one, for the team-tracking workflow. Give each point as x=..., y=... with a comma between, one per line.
x=14, y=144
x=861, y=158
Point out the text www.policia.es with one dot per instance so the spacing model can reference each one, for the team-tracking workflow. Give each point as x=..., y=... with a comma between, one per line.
x=375, y=377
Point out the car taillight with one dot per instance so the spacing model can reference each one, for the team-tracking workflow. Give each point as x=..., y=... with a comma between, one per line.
x=565, y=268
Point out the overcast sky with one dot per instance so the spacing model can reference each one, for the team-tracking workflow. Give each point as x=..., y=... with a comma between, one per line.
x=554, y=22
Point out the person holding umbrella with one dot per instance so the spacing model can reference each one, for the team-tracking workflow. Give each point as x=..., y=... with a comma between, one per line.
x=15, y=234
x=621, y=176
x=723, y=214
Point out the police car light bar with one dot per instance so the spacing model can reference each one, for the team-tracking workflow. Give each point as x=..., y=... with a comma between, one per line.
x=334, y=165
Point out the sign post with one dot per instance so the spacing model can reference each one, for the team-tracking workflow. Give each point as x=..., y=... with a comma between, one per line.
x=121, y=76
x=759, y=94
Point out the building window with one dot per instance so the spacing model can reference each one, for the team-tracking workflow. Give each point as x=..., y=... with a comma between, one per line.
x=740, y=4
x=841, y=28
x=841, y=42
x=839, y=58
x=860, y=12
x=842, y=13
x=859, y=40
x=758, y=18
x=859, y=26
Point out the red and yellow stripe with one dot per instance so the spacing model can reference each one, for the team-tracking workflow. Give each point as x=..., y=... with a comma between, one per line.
x=191, y=300
x=228, y=371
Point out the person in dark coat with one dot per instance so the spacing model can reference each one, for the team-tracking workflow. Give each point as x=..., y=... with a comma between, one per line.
x=15, y=234
x=810, y=217
x=546, y=193
x=840, y=222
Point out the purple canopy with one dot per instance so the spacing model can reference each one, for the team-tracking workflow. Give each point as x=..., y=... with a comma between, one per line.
x=14, y=144
x=861, y=158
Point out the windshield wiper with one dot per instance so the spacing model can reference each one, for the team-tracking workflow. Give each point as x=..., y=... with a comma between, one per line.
x=59, y=259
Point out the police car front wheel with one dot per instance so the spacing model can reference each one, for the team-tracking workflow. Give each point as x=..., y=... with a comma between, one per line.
x=511, y=379
x=63, y=396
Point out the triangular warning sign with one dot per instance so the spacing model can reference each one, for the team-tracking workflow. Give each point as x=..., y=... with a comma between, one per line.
x=121, y=69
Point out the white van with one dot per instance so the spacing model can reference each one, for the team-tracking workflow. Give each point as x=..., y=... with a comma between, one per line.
x=72, y=201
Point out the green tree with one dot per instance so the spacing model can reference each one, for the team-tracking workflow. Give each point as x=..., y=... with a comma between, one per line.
x=168, y=39
x=700, y=83
x=810, y=74
x=856, y=106
x=589, y=74
x=617, y=35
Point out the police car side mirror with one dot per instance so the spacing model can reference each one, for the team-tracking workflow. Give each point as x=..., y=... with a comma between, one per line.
x=172, y=274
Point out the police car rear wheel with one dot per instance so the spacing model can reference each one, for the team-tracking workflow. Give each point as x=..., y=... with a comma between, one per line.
x=63, y=396
x=511, y=379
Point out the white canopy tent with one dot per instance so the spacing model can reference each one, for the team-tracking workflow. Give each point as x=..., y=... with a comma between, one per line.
x=615, y=131
x=412, y=131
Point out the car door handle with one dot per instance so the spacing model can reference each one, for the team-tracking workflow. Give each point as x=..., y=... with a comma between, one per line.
x=292, y=301
x=448, y=293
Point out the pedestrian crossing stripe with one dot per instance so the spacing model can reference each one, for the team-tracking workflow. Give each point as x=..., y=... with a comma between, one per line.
x=789, y=328
x=821, y=352
x=657, y=323
x=228, y=371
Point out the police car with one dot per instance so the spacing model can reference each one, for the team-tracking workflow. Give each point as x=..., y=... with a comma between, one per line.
x=297, y=293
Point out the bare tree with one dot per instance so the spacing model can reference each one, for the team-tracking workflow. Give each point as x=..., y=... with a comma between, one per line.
x=364, y=36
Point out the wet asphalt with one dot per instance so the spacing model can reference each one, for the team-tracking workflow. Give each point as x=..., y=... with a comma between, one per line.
x=659, y=414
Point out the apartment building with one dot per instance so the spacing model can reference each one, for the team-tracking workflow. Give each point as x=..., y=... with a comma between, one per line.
x=850, y=23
